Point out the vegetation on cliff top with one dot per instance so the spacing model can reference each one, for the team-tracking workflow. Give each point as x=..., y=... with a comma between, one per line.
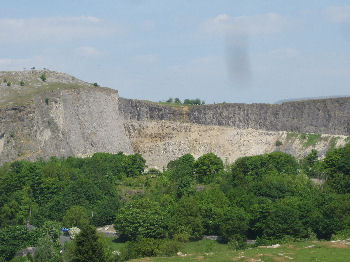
x=19, y=88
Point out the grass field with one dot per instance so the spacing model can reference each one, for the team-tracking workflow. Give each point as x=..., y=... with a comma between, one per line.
x=207, y=250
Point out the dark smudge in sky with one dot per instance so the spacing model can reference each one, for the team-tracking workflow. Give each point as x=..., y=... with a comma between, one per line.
x=238, y=60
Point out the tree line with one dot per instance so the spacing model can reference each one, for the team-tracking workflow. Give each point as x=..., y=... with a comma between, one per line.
x=269, y=198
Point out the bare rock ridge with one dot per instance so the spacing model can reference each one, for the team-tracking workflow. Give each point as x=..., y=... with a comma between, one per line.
x=324, y=116
x=45, y=113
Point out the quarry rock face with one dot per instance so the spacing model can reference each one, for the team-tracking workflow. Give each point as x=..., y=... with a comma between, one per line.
x=68, y=117
x=77, y=122
x=323, y=116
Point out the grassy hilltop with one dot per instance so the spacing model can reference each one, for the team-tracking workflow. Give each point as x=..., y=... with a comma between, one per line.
x=19, y=87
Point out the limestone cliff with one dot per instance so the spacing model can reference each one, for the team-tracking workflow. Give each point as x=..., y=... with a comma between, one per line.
x=64, y=116
x=64, y=121
x=324, y=116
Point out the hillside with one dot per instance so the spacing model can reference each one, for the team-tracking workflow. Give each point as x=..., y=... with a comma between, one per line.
x=64, y=116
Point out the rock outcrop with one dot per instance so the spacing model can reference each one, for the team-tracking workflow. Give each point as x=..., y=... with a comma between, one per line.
x=323, y=116
x=63, y=116
x=67, y=122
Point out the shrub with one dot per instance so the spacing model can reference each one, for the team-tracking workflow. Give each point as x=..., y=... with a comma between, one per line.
x=8, y=83
x=43, y=77
x=149, y=247
x=238, y=243
x=141, y=247
x=46, y=101
x=21, y=83
x=177, y=101
x=169, y=247
x=73, y=232
x=278, y=143
x=341, y=235
x=182, y=237
x=52, y=229
x=95, y=84
x=47, y=250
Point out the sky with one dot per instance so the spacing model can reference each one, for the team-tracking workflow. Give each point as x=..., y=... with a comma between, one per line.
x=252, y=51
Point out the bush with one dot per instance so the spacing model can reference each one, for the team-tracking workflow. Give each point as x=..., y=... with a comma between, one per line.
x=95, y=84
x=182, y=237
x=141, y=247
x=47, y=250
x=149, y=247
x=238, y=243
x=177, y=101
x=51, y=229
x=21, y=83
x=43, y=77
x=169, y=247
x=341, y=235
x=8, y=83
x=278, y=143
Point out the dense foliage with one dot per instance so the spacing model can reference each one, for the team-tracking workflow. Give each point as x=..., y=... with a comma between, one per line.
x=267, y=197
x=186, y=101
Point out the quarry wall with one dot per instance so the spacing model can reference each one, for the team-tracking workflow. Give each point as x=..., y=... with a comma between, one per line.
x=324, y=116
x=76, y=122
x=83, y=121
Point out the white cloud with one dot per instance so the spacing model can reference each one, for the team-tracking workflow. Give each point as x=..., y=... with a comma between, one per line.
x=88, y=51
x=270, y=23
x=9, y=64
x=54, y=28
x=338, y=14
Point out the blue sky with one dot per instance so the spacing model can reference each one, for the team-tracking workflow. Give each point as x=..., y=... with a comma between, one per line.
x=224, y=50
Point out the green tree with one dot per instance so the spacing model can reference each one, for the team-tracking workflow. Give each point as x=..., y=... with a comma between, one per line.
x=76, y=216
x=15, y=238
x=135, y=165
x=336, y=166
x=251, y=168
x=47, y=250
x=207, y=166
x=177, y=101
x=88, y=247
x=284, y=220
x=234, y=224
x=186, y=218
x=143, y=218
x=182, y=175
x=212, y=203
